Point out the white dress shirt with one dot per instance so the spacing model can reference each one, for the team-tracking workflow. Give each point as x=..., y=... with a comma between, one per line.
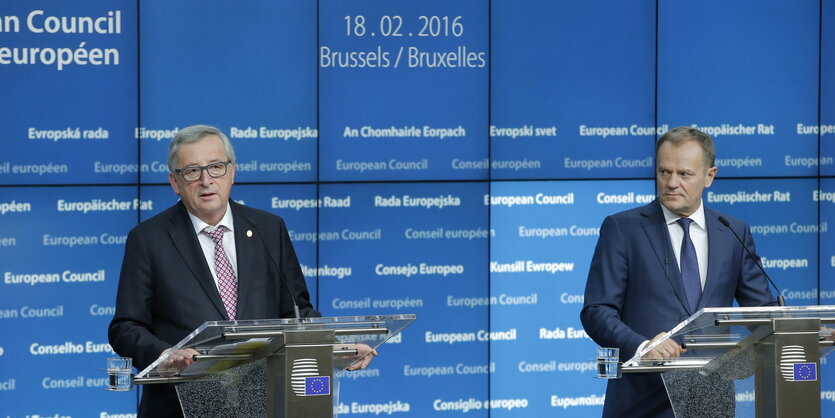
x=208, y=245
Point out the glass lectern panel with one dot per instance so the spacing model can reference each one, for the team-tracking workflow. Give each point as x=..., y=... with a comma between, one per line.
x=250, y=339
x=715, y=375
x=706, y=335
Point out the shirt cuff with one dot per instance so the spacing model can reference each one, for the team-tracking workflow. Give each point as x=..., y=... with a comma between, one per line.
x=641, y=347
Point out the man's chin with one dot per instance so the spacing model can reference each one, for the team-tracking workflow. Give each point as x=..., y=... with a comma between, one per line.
x=671, y=204
x=208, y=209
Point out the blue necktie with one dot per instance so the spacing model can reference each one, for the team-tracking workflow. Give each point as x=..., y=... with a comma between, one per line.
x=689, y=266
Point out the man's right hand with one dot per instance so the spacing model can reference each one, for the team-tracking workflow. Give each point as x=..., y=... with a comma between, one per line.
x=176, y=362
x=668, y=349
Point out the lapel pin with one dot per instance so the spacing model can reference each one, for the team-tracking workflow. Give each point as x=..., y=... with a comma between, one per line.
x=249, y=233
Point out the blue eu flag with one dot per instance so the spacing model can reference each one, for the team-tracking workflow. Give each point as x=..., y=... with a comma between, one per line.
x=805, y=371
x=317, y=385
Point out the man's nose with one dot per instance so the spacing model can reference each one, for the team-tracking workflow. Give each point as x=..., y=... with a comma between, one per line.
x=205, y=178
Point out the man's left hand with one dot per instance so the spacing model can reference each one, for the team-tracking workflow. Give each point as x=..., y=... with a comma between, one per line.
x=359, y=361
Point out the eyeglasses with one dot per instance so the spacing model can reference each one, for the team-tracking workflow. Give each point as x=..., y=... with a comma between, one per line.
x=194, y=172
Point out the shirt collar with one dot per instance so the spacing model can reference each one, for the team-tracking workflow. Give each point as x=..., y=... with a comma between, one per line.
x=698, y=216
x=226, y=221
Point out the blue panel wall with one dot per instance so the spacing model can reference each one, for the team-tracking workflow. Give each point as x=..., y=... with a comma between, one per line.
x=448, y=159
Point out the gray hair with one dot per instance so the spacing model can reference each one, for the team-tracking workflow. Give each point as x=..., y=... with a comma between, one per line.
x=193, y=134
x=685, y=133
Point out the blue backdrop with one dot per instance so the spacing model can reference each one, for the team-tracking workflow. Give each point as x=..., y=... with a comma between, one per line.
x=448, y=159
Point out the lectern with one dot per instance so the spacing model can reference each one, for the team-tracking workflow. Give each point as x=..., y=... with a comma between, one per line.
x=272, y=367
x=781, y=346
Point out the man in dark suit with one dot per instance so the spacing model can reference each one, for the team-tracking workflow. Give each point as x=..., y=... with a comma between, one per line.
x=656, y=265
x=201, y=260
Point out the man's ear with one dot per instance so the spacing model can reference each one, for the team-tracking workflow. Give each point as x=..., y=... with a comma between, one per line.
x=173, y=182
x=711, y=174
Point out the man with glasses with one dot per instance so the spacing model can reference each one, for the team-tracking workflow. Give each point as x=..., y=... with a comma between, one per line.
x=199, y=261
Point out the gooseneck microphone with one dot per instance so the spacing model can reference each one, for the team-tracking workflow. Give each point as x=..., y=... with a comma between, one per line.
x=780, y=300
x=278, y=270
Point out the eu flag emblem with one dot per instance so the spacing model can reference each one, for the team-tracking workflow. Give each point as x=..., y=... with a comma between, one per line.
x=805, y=371
x=317, y=385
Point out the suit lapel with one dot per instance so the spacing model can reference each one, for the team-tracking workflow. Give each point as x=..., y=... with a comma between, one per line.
x=245, y=242
x=655, y=227
x=716, y=248
x=185, y=241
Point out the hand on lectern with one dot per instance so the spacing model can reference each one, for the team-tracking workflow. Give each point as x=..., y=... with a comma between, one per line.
x=827, y=334
x=365, y=353
x=176, y=362
x=666, y=350
x=357, y=362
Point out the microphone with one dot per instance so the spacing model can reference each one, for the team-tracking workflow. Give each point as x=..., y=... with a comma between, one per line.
x=278, y=270
x=780, y=300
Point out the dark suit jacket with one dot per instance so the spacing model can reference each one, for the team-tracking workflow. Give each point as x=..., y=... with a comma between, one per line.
x=634, y=292
x=166, y=289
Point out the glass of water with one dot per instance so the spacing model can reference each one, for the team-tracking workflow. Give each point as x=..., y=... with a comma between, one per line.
x=119, y=374
x=608, y=363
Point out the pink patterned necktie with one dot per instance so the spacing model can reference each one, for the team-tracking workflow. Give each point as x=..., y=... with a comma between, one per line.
x=227, y=283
